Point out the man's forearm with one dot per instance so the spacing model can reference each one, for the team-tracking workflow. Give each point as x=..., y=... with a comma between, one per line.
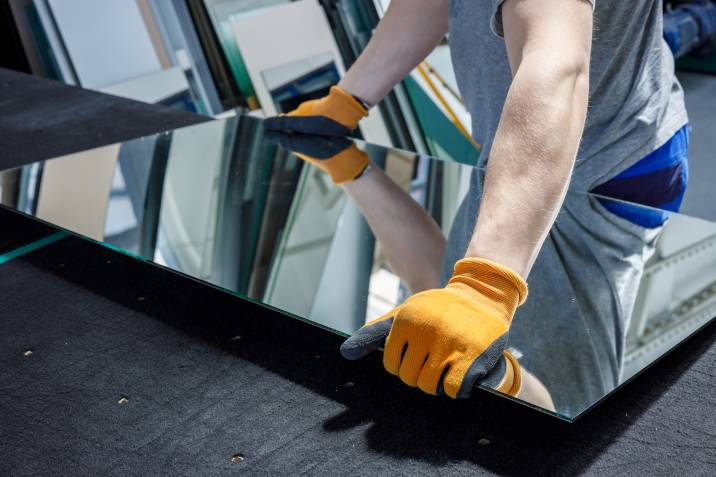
x=406, y=34
x=412, y=242
x=531, y=160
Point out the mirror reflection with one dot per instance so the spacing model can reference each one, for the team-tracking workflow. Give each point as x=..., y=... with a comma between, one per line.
x=338, y=232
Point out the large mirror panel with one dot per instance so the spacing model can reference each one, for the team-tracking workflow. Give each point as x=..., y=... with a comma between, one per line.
x=256, y=213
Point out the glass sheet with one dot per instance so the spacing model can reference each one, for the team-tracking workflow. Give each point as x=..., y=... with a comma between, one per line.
x=230, y=205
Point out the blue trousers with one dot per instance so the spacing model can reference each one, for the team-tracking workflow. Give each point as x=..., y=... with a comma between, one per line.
x=658, y=181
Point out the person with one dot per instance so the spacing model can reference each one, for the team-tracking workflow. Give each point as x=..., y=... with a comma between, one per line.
x=554, y=107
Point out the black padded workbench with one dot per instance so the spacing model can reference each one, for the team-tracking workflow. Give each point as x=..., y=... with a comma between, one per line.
x=213, y=385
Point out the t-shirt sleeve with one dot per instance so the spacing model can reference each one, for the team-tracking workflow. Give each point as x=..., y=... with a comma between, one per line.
x=496, y=18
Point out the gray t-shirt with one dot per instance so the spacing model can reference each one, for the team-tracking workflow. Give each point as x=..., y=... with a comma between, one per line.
x=570, y=331
x=635, y=101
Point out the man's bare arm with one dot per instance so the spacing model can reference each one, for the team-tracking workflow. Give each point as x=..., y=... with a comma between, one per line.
x=406, y=34
x=412, y=241
x=533, y=153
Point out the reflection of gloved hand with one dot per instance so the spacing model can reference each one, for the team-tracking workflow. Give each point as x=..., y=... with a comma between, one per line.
x=334, y=115
x=337, y=156
x=450, y=338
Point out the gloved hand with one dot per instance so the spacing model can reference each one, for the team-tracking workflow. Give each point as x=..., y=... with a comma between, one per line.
x=339, y=157
x=448, y=339
x=334, y=115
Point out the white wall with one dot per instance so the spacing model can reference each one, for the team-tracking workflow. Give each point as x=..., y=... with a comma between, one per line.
x=106, y=40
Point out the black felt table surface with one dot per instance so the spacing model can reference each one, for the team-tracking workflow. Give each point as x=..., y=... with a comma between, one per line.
x=207, y=376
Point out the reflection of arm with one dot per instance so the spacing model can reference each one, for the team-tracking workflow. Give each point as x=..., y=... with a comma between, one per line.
x=534, y=392
x=406, y=34
x=531, y=159
x=412, y=241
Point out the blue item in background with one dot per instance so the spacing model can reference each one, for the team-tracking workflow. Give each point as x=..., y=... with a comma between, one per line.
x=691, y=27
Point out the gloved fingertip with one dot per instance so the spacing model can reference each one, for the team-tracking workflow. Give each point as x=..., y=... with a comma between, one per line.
x=352, y=351
x=275, y=123
x=366, y=340
x=273, y=136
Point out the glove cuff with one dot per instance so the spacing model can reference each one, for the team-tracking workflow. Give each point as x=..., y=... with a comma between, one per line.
x=496, y=285
x=511, y=383
x=349, y=165
x=347, y=110
x=344, y=167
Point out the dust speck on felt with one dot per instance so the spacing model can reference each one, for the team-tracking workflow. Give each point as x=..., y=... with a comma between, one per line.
x=237, y=458
x=28, y=352
x=484, y=442
x=123, y=400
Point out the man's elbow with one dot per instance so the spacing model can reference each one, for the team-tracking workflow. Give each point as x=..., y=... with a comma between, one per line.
x=577, y=70
x=557, y=75
x=576, y=73
x=566, y=63
x=575, y=62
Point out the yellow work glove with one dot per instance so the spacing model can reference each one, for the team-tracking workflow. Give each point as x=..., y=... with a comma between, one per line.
x=339, y=157
x=448, y=339
x=337, y=114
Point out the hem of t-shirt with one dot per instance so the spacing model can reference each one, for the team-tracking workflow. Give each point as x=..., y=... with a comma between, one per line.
x=663, y=135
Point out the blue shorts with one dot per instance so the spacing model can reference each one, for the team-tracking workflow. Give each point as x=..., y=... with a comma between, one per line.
x=659, y=181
